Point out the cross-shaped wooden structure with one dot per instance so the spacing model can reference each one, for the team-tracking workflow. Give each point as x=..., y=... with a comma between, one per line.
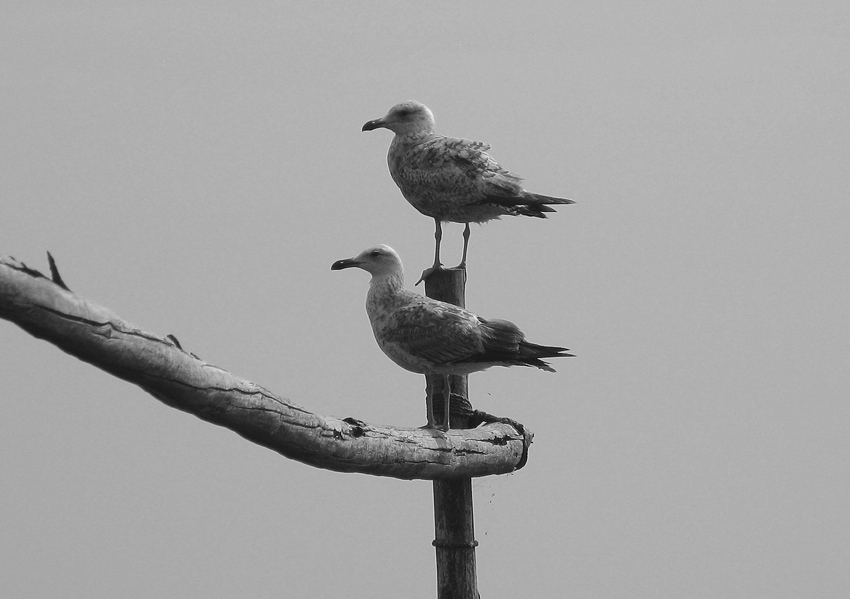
x=46, y=308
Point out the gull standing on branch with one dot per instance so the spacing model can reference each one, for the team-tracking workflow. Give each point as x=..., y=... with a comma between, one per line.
x=451, y=179
x=430, y=337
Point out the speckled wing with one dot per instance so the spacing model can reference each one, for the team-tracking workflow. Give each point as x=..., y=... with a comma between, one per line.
x=479, y=167
x=438, y=333
x=452, y=179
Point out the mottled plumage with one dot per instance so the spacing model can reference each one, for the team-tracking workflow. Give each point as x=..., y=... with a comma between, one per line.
x=451, y=179
x=427, y=336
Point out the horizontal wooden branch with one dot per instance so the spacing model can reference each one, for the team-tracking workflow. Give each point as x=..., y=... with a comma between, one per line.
x=45, y=308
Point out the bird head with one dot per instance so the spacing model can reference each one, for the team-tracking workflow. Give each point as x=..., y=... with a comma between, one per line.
x=407, y=118
x=381, y=260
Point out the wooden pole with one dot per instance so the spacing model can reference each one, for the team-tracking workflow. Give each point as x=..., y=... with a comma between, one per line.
x=453, y=519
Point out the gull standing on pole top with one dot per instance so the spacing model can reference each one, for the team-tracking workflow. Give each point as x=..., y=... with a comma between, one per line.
x=431, y=337
x=451, y=179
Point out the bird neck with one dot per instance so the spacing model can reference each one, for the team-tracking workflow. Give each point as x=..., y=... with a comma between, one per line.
x=387, y=284
x=411, y=137
x=384, y=291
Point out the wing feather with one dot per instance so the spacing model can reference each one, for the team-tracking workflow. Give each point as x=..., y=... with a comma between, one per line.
x=454, y=166
x=439, y=333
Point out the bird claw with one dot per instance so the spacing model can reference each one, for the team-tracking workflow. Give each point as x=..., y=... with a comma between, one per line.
x=434, y=427
x=428, y=272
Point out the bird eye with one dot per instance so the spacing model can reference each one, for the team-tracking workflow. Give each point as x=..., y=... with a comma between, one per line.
x=376, y=253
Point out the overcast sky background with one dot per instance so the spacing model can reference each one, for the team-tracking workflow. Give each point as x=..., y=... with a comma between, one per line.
x=197, y=167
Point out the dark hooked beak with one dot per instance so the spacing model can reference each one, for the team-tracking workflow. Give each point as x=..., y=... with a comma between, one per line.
x=347, y=263
x=376, y=124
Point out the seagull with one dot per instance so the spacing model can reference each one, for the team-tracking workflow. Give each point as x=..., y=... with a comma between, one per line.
x=451, y=179
x=431, y=337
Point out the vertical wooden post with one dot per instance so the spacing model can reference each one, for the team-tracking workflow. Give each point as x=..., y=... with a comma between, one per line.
x=453, y=519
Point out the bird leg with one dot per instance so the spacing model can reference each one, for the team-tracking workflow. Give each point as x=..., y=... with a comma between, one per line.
x=465, y=245
x=438, y=236
x=447, y=398
x=429, y=402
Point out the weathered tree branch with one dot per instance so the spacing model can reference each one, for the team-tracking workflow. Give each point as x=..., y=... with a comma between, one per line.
x=46, y=309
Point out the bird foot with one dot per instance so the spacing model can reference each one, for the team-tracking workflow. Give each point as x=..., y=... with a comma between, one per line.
x=428, y=272
x=433, y=427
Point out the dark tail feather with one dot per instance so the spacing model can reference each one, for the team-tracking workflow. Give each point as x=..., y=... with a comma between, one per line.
x=535, y=205
x=531, y=354
x=536, y=199
x=535, y=210
x=528, y=204
x=505, y=343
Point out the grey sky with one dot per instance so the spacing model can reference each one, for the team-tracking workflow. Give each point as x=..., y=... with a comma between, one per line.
x=198, y=168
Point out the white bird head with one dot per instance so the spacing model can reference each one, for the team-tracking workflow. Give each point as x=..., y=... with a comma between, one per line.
x=407, y=118
x=379, y=261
